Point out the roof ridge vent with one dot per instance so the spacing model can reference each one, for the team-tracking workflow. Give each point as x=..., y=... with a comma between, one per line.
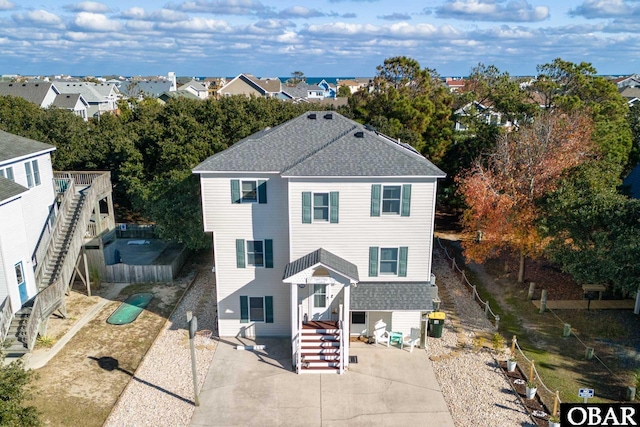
x=359, y=134
x=328, y=116
x=311, y=116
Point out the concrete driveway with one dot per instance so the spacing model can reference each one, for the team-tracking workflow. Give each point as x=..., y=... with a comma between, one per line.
x=387, y=387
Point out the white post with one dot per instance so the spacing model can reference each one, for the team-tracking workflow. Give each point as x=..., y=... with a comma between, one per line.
x=347, y=323
x=294, y=324
x=636, y=310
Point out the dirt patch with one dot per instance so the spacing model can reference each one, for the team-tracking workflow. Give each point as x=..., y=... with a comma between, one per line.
x=77, y=387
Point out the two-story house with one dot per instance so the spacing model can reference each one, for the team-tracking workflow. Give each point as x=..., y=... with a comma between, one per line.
x=320, y=226
x=26, y=202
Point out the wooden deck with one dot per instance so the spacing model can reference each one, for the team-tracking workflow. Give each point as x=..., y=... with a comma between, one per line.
x=320, y=324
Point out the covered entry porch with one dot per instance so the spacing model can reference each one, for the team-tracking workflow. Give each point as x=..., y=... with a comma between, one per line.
x=320, y=288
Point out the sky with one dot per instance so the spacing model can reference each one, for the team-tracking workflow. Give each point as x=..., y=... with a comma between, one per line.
x=337, y=38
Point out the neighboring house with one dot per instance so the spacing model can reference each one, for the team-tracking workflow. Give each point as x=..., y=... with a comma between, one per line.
x=321, y=227
x=43, y=94
x=196, y=88
x=149, y=88
x=73, y=102
x=249, y=85
x=26, y=201
x=213, y=84
x=627, y=81
x=631, y=94
x=165, y=97
x=479, y=111
x=308, y=92
x=101, y=97
x=353, y=85
x=455, y=85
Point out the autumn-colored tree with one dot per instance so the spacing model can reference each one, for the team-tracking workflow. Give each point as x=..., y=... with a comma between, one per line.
x=502, y=187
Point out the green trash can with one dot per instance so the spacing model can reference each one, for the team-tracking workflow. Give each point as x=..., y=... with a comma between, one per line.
x=436, y=322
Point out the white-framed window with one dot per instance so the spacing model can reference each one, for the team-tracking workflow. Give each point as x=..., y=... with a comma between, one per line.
x=389, y=261
x=391, y=197
x=321, y=207
x=255, y=253
x=249, y=191
x=19, y=273
x=256, y=309
x=7, y=173
x=33, y=173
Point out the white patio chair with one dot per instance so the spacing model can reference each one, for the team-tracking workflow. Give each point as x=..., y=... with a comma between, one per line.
x=380, y=333
x=412, y=340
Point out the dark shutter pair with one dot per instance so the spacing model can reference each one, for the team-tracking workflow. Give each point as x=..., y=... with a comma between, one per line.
x=268, y=253
x=334, y=201
x=236, y=194
x=244, y=309
x=402, y=261
x=376, y=199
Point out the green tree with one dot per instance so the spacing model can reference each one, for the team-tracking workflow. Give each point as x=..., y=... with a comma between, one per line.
x=408, y=103
x=343, y=92
x=296, y=77
x=15, y=389
x=593, y=230
x=634, y=125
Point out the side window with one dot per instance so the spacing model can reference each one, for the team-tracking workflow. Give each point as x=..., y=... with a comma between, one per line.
x=388, y=261
x=254, y=253
x=320, y=207
x=36, y=172
x=390, y=199
x=256, y=309
x=27, y=169
x=248, y=191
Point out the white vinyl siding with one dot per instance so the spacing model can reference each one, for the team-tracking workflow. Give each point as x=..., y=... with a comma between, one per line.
x=357, y=230
x=403, y=321
x=250, y=222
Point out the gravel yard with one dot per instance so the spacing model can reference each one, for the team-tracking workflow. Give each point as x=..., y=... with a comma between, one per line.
x=161, y=391
x=473, y=384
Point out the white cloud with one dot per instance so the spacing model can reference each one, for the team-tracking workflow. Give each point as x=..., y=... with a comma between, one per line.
x=223, y=7
x=605, y=9
x=492, y=10
x=7, y=5
x=196, y=25
x=89, y=6
x=162, y=15
x=39, y=18
x=95, y=22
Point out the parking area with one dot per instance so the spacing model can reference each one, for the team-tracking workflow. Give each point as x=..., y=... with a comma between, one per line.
x=386, y=387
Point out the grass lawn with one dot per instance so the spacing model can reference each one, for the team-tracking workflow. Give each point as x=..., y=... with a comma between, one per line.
x=72, y=389
x=561, y=361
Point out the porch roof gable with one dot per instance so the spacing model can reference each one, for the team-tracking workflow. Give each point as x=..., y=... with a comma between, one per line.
x=327, y=259
x=391, y=296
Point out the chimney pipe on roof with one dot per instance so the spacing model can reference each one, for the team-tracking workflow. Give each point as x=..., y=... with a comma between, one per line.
x=312, y=116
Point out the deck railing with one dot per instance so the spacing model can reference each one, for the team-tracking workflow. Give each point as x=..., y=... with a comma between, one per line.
x=46, y=302
x=6, y=316
x=51, y=297
x=343, y=351
x=45, y=235
x=82, y=179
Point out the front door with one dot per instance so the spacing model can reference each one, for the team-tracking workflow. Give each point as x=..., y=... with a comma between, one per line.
x=22, y=285
x=319, y=302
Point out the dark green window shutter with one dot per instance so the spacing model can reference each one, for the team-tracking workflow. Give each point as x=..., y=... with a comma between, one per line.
x=406, y=199
x=375, y=199
x=262, y=191
x=235, y=191
x=402, y=261
x=240, y=253
x=334, y=199
x=244, y=309
x=268, y=253
x=268, y=309
x=373, y=261
x=306, y=207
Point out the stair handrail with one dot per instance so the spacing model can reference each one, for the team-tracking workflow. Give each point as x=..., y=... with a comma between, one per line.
x=342, y=352
x=56, y=232
x=299, y=340
x=44, y=304
x=6, y=317
x=45, y=234
x=52, y=298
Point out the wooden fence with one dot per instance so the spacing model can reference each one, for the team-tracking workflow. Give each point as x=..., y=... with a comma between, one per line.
x=124, y=273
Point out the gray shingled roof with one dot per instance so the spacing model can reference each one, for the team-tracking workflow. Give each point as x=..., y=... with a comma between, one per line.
x=324, y=257
x=9, y=189
x=66, y=101
x=34, y=92
x=329, y=145
x=633, y=181
x=91, y=92
x=13, y=146
x=367, y=296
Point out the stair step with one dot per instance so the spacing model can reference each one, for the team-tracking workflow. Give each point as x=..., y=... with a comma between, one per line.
x=320, y=370
x=320, y=331
x=319, y=350
x=321, y=357
x=307, y=338
x=323, y=344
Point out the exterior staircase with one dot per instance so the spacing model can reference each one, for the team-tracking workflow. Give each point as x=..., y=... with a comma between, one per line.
x=320, y=350
x=55, y=258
